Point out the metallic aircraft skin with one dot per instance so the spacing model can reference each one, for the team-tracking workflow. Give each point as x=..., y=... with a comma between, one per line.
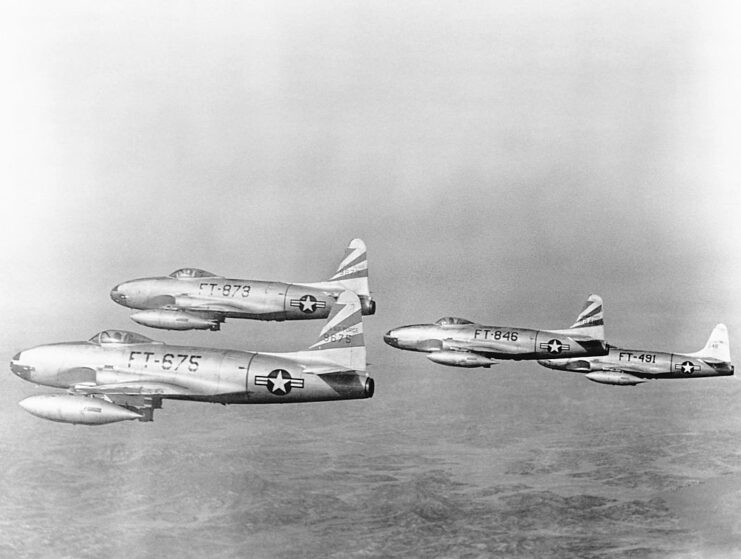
x=633, y=366
x=190, y=298
x=132, y=372
x=461, y=343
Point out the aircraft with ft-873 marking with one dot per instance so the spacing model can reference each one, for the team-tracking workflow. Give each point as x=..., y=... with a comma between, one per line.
x=193, y=299
x=630, y=367
x=459, y=342
x=119, y=375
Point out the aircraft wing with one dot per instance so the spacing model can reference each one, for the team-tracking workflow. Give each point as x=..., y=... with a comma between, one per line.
x=486, y=349
x=202, y=305
x=197, y=304
x=630, y=370
x=325, y=370
x=144, y=397
x=134, y=388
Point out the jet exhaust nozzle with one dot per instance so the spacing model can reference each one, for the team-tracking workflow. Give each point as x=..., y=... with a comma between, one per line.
x=367, y=306
x=83, y=410
x=370, y=387
x=166, y=319
x=459, y=359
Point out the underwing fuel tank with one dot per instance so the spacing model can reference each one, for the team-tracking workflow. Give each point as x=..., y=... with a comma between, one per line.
x=614, y=377
x=84, y=410
x=174, y=320
x=459, y=359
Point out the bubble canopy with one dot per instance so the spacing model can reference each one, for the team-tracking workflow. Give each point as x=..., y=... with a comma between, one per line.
x=190, y=273
x=452, y=321
x=121, y=337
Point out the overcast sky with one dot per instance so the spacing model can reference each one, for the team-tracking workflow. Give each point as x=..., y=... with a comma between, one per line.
x=501, y=160
x=493, y=157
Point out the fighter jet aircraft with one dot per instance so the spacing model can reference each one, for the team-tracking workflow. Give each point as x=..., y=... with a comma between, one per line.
x=193, y=299
x=458, y=342
x=119, y=375
x=629, y=367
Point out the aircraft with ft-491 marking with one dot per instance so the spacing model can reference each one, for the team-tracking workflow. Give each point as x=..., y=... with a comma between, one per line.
x=458, y=342
x=119, y=375
x=193, y=299
x=629, y=367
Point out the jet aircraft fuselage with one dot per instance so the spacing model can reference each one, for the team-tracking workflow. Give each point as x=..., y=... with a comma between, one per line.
x=450, y=335
x=132, y=374
x=197, y=373
x=644, y=363
x=622, y=366
x=458, y=342
x=191, y=298
x=230, y=298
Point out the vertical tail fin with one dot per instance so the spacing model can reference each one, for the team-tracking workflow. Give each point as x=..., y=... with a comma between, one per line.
x=717, y=346
x=590, y=321
x=341, y=340
x=352, y=273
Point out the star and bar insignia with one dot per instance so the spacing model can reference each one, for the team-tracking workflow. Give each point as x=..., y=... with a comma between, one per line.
x=554, y=346
x=687, y=367
x=308, y=304
x=279, y=382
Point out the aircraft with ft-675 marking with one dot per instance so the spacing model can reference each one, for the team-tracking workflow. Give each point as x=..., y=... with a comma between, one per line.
x=458, y=342
x=194, y=299
x=630, y=367
x=119, y=375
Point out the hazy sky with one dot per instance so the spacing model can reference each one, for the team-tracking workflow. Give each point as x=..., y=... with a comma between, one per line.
x=490, y=155
x=501, y=160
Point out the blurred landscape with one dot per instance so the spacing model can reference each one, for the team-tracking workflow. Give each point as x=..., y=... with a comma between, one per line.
x=501, y=162
x=413, y=472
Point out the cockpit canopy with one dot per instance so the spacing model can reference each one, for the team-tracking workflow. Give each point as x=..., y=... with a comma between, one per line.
x=122, y=337
x=452, y=321
x=191, y=273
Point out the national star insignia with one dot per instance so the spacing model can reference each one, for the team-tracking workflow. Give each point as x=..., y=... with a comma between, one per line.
x=308, y=303
x=279, y=382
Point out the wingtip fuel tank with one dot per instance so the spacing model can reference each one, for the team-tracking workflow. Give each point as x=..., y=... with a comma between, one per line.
x=614, y=377
x=459, y=359
x=83, y=410
x=175, y=320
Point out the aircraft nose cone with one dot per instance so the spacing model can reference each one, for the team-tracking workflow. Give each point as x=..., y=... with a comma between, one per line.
x=390, y=339
x=117, y=295
x=22, y=371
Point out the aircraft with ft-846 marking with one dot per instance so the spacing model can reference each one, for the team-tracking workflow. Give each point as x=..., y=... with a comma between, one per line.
x=630, y=367
x=194, y=299
x=119, y=375
x=458, y=342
